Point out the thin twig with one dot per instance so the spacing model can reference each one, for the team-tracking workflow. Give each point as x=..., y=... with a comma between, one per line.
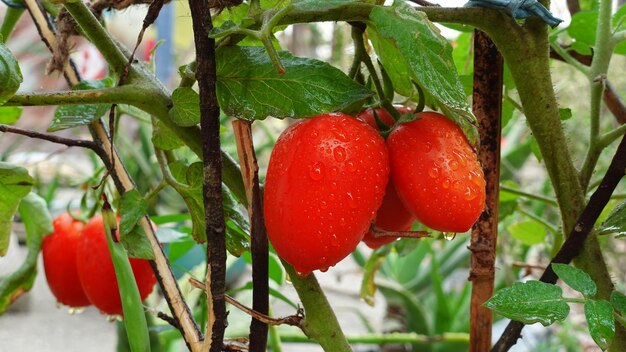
x=424, y=3
x=70, y=142
x=258, y=235
x=577, y=237
x=528, y=266
x=378, y=232
x=293, y=320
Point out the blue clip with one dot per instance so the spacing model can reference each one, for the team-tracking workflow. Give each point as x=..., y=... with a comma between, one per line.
x=519, y=9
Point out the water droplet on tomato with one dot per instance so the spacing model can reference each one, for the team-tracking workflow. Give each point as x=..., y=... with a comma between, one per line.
x=340, y=135
x=454, y=165
x=339, y=153
x=323, y=204
x=470, y=193
x=316, y=171
x=351, y=201
x=426, y=147
x=350, y=166
x=324, y=269
x=333, y=171
x=433, y=172
x=445, y=183
x=449, y=236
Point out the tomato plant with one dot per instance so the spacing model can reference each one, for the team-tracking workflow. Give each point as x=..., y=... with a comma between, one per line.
x=436, y=173
x=59, y=251
x=96, y=272
x=325, y=180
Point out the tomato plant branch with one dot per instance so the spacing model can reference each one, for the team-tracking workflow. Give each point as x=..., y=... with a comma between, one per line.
x=206, y=77
x=259, y=246
x=320, y=322
x=548, y=200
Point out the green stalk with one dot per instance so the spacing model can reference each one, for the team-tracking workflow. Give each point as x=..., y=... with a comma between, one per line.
x=134, y=317
x=11, y=17
x=320, y=322
x=519, y=192
x=392, y=338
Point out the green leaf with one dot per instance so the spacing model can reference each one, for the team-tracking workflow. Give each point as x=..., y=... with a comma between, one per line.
x=137, y=244
x=38, y=223
x=276, y=272
x=132, y=208
x=530, y=302
x=528, y=232
x=615, y=223
x=10, y=74
x=186, y=109
x=576, y=279
x=10, y=114
x=68, y=116
x=170, y=235
x=599, y=315
x=164, y=138
x=249, y=87
x=618, y=300
x=412, y=50
x=368, y=287
x=15, y=184
x=565, y=114
x=583, y=28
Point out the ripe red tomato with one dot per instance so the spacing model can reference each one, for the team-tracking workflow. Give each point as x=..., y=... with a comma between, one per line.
x=392, y=214
x=59, y=261
x=325, y=180
x=436, y=173
x=97, y=274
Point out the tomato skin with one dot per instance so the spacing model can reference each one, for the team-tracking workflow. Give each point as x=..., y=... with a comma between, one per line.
x=325, y=180
x=436, y=173
x=97, y=274
x=59, y=261
x=391, y=216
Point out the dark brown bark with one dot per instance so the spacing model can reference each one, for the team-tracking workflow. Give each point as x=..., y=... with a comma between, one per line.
x=487, y=106
x=212, y=180
x=258, y=235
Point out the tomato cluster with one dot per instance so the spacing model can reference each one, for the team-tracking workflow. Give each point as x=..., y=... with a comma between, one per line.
x=79, y=269
x=332, y=176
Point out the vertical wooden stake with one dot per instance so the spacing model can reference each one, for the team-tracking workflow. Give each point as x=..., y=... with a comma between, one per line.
x=487, y=106
x=260, y=284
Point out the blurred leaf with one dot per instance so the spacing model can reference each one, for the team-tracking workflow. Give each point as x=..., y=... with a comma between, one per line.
x=443, y=315
x=368, y=288
x=164, y=138
x=530, y=302
x=15, y=183
x=599, y=315
x=565, y=114
x=618, y=300
x=169, y=235
x=170, y=218
x=534, y=147
x=10, y=114
x=462, y=53
x=507, y=112
x=398, y=294
x=576, y=279
x=68, y=116
x=275, y=269
x=583, y=28
x=10, y=74
x=249, y=87
x=615, y=223
x=427, y=61
x=273, y=292
x=186, y=109
x=528, y=232
x=38, y=223
x=133, y=237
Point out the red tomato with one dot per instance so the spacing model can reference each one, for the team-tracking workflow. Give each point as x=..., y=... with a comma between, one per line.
x=325, y=180
x=59, y=261
x=391, y=216
x=97, y=274
x=436, y=173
